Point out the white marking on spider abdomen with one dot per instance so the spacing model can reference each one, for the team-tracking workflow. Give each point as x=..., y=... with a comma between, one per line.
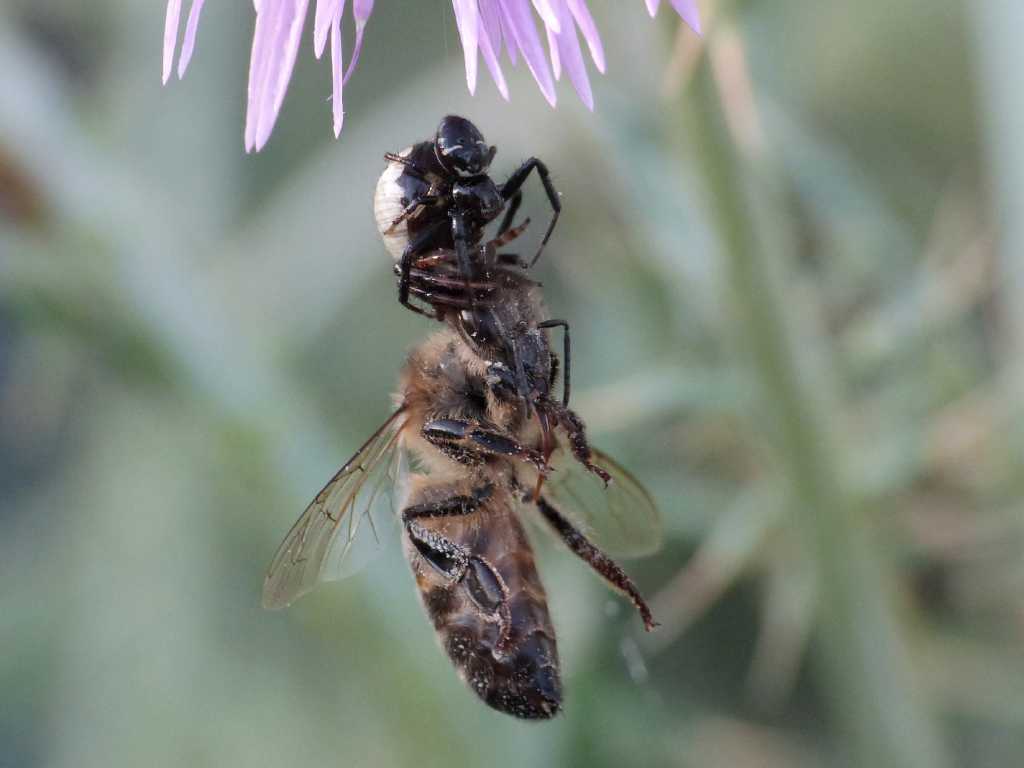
x=387, y=206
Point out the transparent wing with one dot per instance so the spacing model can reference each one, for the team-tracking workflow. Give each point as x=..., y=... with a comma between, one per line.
x=621, y=519
x=325, y=543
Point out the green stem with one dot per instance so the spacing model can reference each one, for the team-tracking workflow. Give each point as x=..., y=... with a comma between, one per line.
x=876, y=702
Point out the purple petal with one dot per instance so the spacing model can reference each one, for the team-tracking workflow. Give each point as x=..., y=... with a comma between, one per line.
x=571, y=56
x=260, y=61
x=361, y=10
x=189, y=44
x=506, y=33
x=547, y=15
x=490, y=21
x=467, y=20
x=524, y=31
x=326, y=12
x=687, y=9
x=556, y=61
x=170, y=35
x=337, y=70
x=585, y=22
x=275, y=45
x=491, y=60
x=257, y=65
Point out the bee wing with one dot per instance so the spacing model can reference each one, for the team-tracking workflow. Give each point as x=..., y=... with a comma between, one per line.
x=322, y=544
x=621, y=519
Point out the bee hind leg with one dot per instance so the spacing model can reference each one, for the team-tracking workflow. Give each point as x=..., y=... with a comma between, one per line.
x=484, y=585
x=607, y=568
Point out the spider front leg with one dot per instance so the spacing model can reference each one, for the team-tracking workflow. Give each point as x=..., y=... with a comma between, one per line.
x=513, y=207
x=511, y=188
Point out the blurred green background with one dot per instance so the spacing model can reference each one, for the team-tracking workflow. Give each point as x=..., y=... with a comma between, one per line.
x=793, y=259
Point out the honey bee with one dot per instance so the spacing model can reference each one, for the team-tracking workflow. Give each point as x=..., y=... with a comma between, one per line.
x=437, y=194
x=502, y=329
x=461, y=460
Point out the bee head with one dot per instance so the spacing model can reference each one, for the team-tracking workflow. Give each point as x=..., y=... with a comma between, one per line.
x=461, y=149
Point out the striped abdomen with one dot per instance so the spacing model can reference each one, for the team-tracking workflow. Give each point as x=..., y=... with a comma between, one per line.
x=398, y=186
x=389, y=200
x=498, y=635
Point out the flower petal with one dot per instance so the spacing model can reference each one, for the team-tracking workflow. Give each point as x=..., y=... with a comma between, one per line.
x=571, y=56
x=652, y=7
x=189, y=43
x=506, y=33
x=524, y=32
x=547, y=15
x=337, y=73
x=491, y=60
x=687, y=9
x=556, y=61
x=275, y=45
x=170, y=35
x=585, y=22
x=490, y=21
x=326, y=12
x=467, y=20
x=260, y=61
x=361, y=10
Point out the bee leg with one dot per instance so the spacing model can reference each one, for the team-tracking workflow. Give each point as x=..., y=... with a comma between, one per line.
x=511, y=187
x=577, y=434
x=484, y=585
x=607, y=568
x=441, y=552
x=469, y=442
x=566, y=360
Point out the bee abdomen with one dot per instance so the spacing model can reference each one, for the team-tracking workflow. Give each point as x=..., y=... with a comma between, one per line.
x=523, y=682
x=509, y=657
